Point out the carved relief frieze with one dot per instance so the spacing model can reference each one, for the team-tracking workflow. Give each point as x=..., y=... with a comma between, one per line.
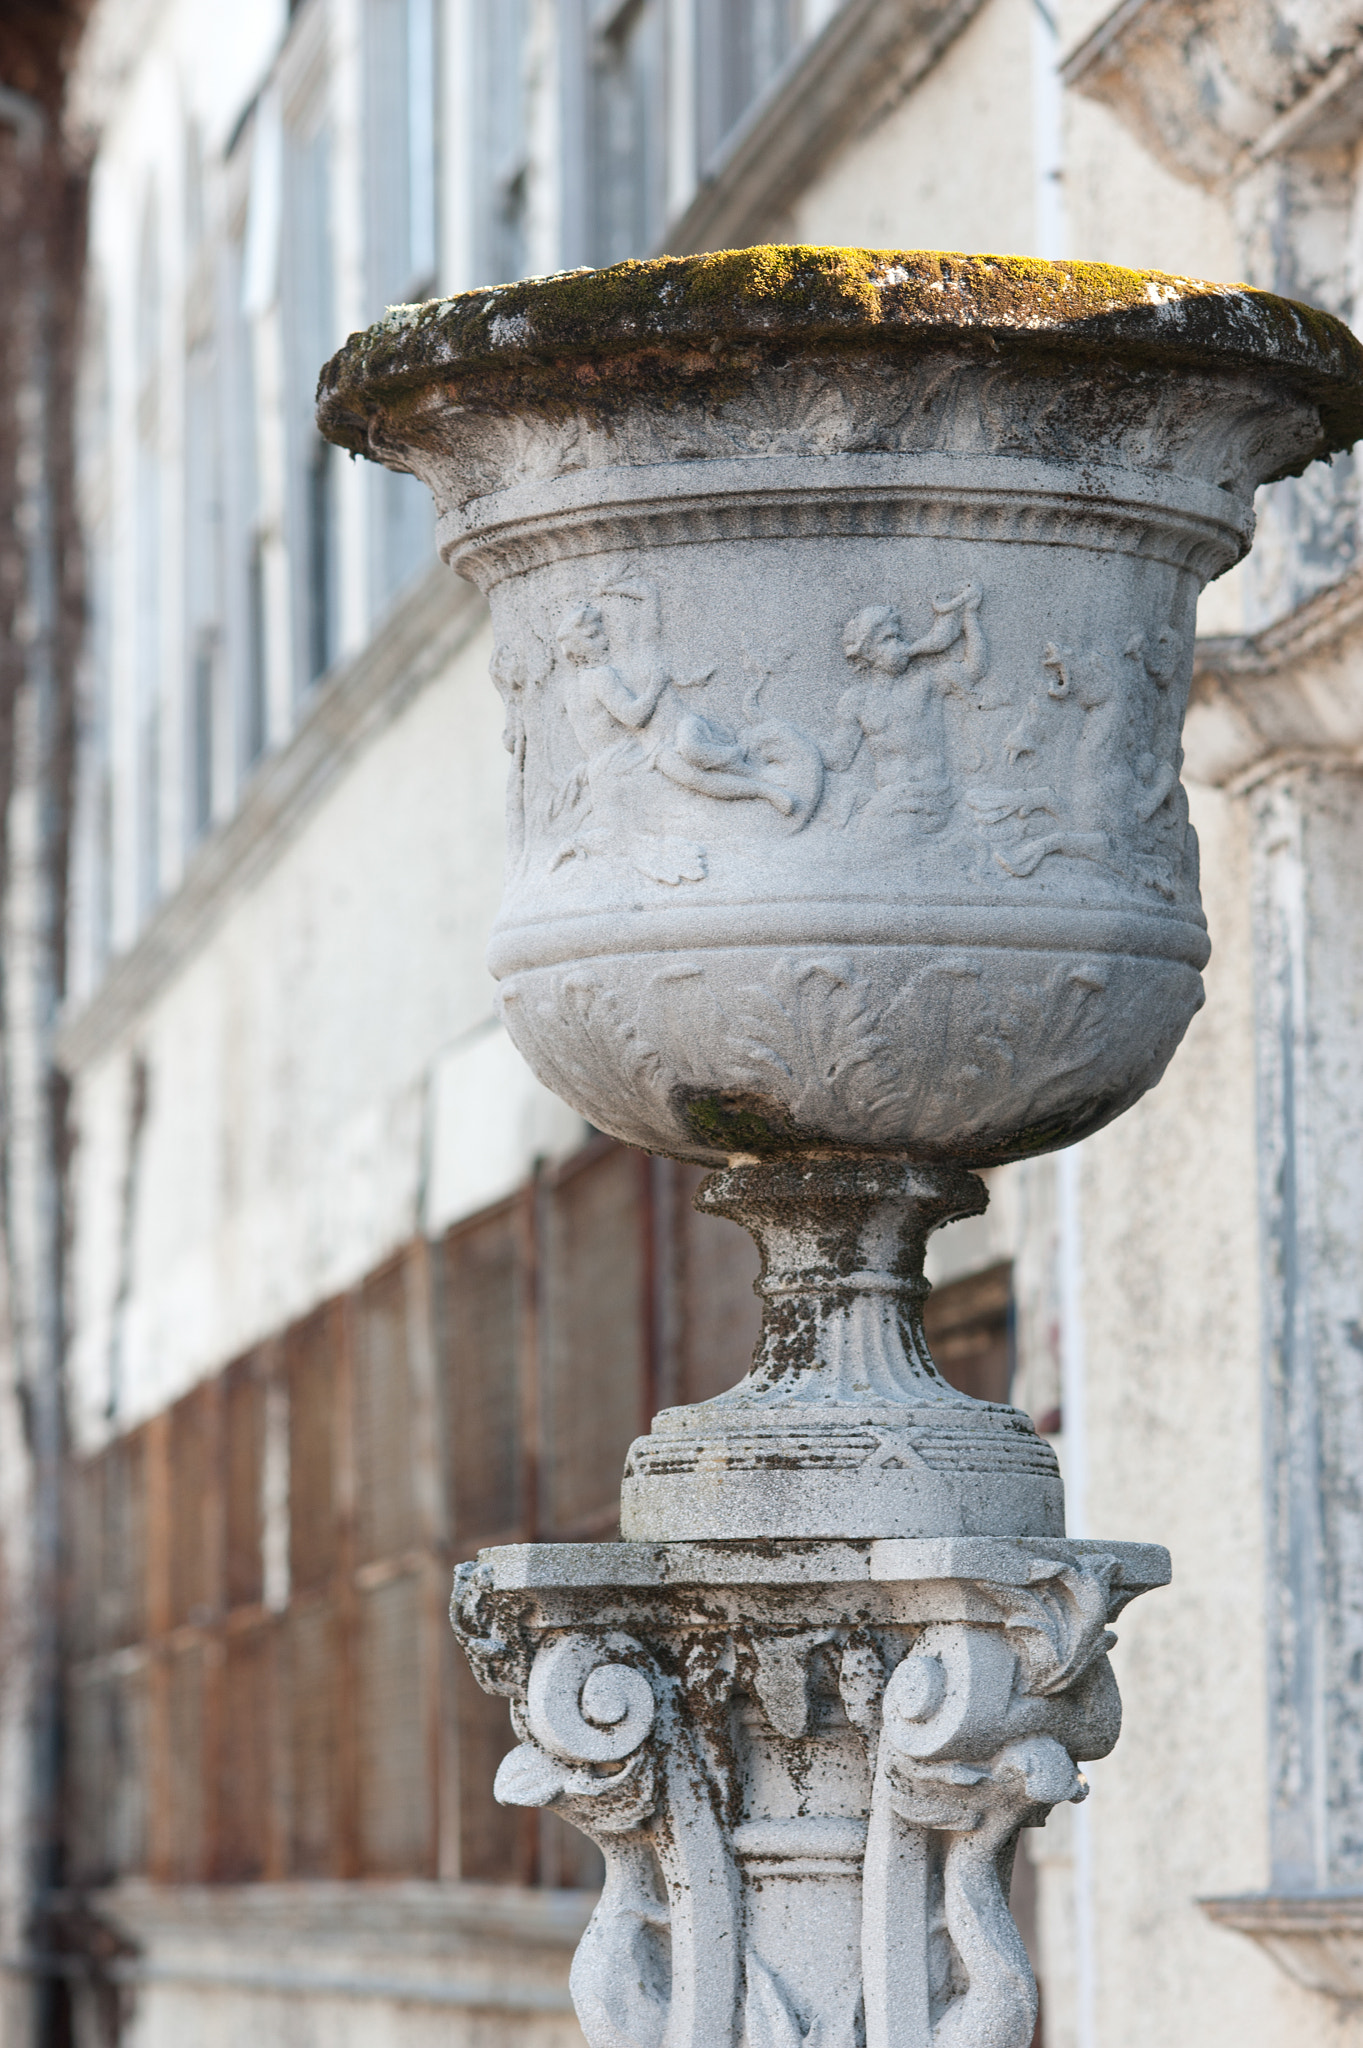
x=905, y=757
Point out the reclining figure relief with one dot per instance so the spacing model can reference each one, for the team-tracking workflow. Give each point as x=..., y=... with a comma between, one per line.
x=613, y=700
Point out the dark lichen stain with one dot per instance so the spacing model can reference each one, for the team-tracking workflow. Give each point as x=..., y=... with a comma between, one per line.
x=709, y=321
x=733, y=1120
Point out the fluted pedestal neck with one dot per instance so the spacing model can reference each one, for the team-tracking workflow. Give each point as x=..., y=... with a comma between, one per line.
x=843, y=1426
x=842, y=1238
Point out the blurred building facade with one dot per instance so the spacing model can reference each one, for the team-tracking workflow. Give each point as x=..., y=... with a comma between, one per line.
x=337, y=1292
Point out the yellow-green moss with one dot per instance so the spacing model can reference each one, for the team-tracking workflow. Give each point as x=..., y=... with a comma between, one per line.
x=542, y=337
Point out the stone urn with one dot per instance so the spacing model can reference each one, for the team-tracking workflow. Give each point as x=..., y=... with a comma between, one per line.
x=844, y=606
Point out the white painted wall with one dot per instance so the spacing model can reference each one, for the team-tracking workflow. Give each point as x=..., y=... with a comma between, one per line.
x=909, y=183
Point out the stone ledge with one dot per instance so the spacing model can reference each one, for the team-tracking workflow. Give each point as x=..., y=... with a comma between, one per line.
x=1317, y=1938
x=472, y=1947
x=1288, y=696
x=524, y=1567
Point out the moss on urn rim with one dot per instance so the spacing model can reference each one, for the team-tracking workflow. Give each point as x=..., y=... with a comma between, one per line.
x=546, y=330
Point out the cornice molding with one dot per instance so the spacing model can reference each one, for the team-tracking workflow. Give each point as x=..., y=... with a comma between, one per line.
x=426, y=628
x=1213, y=91
x=865, y=59
x=1286, y=697
x=1317, y=1938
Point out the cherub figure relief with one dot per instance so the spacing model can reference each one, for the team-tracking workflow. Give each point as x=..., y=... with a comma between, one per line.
x=894, y=711
x=772, y=761
x=508, y=673
x=611, y=698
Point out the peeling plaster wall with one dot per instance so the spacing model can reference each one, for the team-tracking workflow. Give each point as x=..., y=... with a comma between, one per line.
x=1171, y=1309
x=324, y=1077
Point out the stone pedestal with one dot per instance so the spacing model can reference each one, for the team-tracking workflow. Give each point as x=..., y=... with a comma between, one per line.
x=806, y=1765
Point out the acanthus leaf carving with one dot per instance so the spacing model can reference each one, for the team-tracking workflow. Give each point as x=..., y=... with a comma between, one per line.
x=816, y=1045
x=782, y=1678
x=1060, y=1621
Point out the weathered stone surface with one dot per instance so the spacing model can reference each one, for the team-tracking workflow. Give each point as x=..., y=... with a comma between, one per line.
x=843, y=1427
x=807, y=1788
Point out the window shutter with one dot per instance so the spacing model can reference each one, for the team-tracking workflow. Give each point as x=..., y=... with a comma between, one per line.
x=496, y=1843
x=108, y=1773
x=396, y=1797
x=194, y=1503
x=567, y=1860
x=312, y=1674
x=312, y=1374
x=243, y=1415
x=482, y=1329
x=185, y=1829
x=245, y=1777
x=969, y=1328
x=718, y=1312
x=596, y=1334
x=387, y=1519
x=124, y=1568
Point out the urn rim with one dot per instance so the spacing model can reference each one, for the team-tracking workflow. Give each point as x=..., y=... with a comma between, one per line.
x=534, y=342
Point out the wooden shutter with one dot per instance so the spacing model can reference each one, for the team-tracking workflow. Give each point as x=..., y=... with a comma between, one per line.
x=312, y=1659
x=496, y=1843
x=718, y=1313
x=596, y=1336
x=482, y=1313
x=107, y=1778
x=387, y=1517
x=109, y=1548
x=969, y=1328
x=243, y=1418
x=124, y=1616
x=396, y=1794
x=184, y=1809
x=245, y=1776
x=567, y=1860
x=313, y=1374
x=195, y=1503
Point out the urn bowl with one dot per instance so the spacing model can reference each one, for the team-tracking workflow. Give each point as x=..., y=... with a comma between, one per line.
x=844, y=606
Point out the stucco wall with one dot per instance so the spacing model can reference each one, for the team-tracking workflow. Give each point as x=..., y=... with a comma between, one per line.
x=324, y=1076
x=909, y=184
x=1174, y=1451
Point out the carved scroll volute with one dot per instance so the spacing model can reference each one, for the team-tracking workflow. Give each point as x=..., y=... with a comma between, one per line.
x=968, y=1752
x=605, y=1746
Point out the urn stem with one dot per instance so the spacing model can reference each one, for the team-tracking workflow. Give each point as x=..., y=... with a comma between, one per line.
x=842, y=1238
